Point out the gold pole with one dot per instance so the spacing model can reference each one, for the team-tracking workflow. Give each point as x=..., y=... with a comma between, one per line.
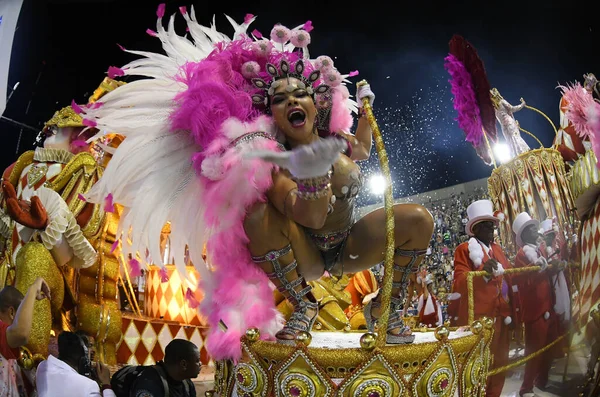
x=544, y=115
x=388, y=275
x=481, y=273
x=531, y=134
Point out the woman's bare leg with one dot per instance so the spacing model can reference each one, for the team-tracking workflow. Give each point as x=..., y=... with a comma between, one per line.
x=366, y=245
x=282, y=249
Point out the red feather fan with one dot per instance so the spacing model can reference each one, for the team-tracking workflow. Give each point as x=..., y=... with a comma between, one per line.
x=467, y=54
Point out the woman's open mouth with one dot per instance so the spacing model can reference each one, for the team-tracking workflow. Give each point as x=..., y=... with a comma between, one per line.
x=297, y=117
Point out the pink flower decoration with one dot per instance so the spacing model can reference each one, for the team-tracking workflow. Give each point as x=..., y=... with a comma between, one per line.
x=300, y=38
x=250, y=69
x=191, y=299
x=183, y=10
x=114, y=246
x=114, y=71
x=164, y=275
x=353, y=73
x=76, y=108
x=96, y=105
x=135, y=267
x=121, y=47
x=257, y=34
x=160, y=11
x=89, y=123
x=308, y=26
x=262, y=48
x=248, y=18
x=80, y=197
x=323, y=62
x=280, y=34
x=108, y=203
x=151, y=32
x=332, y=78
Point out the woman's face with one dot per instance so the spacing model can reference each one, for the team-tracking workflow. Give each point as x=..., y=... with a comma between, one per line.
x=293, y=109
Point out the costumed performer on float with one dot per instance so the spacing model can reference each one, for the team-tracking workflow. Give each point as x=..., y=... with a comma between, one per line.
x=430, y=311
x=510, y=126
x=50, y=232
x=494, y=296
x=239, y=143
x=537, y=301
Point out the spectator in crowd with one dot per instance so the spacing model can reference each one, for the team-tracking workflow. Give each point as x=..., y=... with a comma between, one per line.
x=16, y=318
x=180, y=365
x=69, y=374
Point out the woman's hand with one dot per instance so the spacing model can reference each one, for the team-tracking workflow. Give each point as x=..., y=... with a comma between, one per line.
x=306, y=161
x=364, y=91
x=30, y=214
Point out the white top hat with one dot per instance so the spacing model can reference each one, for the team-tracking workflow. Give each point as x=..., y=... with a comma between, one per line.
x=480, y=211
x=521, y=222
x=547, y=226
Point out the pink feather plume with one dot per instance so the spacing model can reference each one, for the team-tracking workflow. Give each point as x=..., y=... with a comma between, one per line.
x=81, y=197
x=164, y=275
x=114, y=246
x=76, y=108
x=160, y=11
x=108, y=203
x=114, y=71
x=465, y=100
x=191, y=299
x=135, y=267
x=579, y=109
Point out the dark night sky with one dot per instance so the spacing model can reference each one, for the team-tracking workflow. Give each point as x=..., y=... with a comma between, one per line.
x=527, y=47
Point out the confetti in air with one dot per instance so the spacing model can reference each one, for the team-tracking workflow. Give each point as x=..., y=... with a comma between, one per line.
x=419, y=135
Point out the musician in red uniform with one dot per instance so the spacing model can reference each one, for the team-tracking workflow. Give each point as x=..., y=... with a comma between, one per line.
x=537, y=302
x=494, y=294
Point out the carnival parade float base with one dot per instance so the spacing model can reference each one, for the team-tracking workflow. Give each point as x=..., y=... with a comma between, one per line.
x=168, y=315
x=327, y=364
x=533, y=182
x=585, y=185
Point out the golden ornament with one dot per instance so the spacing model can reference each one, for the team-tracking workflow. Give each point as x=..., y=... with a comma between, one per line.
x=441, y=333
x=368, y=341
x=209, y=393
x=347, y=328
x=252, y=334
x=488, y=322
x=476, y=327
x=304, y=337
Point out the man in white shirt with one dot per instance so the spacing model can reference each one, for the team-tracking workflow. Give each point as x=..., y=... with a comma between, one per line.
x=65, y=376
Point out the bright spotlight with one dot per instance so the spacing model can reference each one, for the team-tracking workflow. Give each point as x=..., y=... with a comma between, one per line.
x=377, y=184
x=502, y=152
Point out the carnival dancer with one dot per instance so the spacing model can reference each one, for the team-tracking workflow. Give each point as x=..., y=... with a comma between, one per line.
x=493, y=295
x=536, y=302
x=570, y=142
x=52, y=233
x=430, y=311
x=510, y=126
x=239, y=142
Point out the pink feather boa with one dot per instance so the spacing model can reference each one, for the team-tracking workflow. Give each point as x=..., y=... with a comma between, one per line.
x=465, y=100
x=583, y=112
x=241, y=294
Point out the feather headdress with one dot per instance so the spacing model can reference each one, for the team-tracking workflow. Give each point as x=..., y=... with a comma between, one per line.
x=188, y=126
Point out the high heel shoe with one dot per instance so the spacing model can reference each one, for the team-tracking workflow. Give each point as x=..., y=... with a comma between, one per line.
x=302, y=301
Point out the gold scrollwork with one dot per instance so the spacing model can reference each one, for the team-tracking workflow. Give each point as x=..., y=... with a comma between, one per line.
x=376, y=378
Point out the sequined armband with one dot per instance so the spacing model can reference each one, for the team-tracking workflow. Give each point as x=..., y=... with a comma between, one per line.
x=313, y=188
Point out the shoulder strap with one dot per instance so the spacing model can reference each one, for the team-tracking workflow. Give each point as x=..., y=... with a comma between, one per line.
x=163, y=378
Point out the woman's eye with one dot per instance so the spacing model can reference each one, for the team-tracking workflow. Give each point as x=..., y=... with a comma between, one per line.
x=277, y=99
x=301, y=94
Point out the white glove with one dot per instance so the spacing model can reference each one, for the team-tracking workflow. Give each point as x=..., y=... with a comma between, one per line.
x=364, y=91
x=306, y=161
x=542, y=263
